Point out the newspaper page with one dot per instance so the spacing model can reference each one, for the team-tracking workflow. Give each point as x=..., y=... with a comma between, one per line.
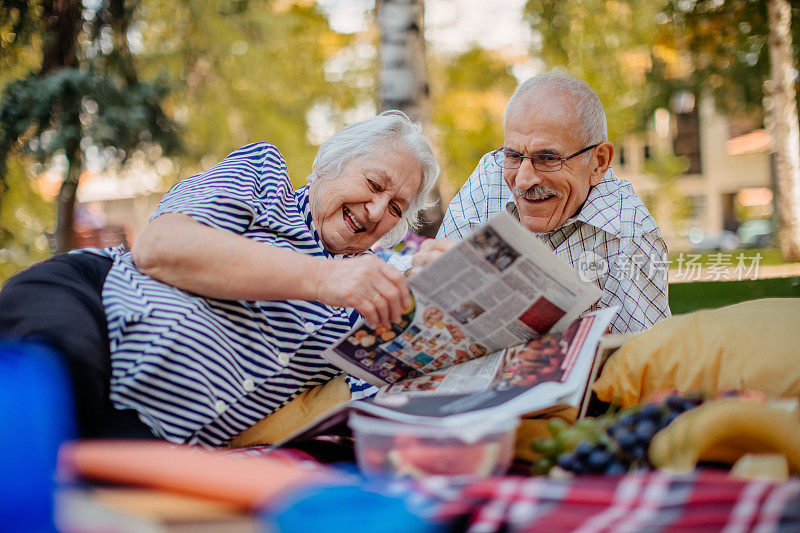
x=497, y=288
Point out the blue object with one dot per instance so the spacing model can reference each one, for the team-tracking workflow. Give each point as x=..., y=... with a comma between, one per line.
x=345, y=508
x=36, y=416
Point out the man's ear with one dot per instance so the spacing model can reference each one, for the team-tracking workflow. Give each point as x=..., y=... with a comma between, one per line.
x=603, y=155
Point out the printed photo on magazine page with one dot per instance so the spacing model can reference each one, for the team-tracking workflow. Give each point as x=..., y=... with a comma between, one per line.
x=425, y=340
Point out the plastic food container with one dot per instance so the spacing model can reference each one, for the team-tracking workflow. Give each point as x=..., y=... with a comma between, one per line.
x=384, y=447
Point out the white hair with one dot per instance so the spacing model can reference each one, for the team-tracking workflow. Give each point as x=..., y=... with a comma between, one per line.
x=587, y=104
x=371, y=137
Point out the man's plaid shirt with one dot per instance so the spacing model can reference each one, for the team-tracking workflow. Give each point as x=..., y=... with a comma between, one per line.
x=613, y=240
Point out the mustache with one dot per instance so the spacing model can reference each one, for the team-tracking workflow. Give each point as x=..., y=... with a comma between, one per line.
x=537, y=192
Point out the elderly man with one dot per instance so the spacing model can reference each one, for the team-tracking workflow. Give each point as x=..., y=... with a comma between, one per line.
x=553, y=173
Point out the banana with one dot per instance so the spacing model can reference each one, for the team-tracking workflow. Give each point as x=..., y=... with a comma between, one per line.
x=724, y=430
x=766, y=466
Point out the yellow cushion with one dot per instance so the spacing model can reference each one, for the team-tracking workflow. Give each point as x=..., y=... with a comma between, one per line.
x=304, y=408
x=751, y=345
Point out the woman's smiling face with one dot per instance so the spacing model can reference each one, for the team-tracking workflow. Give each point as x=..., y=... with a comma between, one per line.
x=355, y=209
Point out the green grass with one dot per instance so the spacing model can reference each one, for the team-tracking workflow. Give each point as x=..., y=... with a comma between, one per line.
x=686, y=297
x=769, y=256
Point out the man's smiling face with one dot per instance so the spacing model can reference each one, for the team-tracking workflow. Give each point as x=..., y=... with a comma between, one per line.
x=355, y=209
x=546, y=123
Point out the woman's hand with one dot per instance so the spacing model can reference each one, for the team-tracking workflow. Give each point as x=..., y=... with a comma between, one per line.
x=368, y=284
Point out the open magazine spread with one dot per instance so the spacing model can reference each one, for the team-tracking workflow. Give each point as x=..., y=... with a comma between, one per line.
x=553, y=371
x=497, y=288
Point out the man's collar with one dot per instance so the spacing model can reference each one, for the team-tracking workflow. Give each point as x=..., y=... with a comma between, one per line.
x=598, y=210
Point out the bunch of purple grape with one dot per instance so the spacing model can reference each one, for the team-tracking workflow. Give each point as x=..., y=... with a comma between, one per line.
x=615, y=444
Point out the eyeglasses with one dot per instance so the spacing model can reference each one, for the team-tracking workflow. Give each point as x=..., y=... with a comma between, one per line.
x=541, y=162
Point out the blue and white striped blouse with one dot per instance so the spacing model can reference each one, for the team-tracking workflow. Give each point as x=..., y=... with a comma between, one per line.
x=201, y=370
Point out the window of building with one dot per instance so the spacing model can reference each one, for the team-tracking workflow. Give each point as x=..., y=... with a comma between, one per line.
x=687, y=131
x=698, y=206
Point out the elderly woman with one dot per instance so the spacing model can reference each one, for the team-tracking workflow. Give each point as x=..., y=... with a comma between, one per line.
x=219, y=314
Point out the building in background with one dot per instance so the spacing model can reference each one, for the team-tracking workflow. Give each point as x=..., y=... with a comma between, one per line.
x=706, y=178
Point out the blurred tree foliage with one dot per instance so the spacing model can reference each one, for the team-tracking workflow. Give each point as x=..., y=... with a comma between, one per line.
x=469, y=93
x=638, y=55
x=84, y=91
x=25, y=215
x=608, y=43
x=669, y=206
x=732, y=53
x=723, y=47
x=250, y=70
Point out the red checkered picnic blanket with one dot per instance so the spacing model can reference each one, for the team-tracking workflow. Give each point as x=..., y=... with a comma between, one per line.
x=639, y=501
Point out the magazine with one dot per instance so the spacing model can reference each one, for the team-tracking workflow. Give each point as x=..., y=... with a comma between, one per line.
x=608, y=346
x=551, y=372
x=497, y=288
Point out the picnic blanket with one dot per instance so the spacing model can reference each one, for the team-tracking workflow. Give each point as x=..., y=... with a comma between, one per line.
x=639, y=501
x=705, y=500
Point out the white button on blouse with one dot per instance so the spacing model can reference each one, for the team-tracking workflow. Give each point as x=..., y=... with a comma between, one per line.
x=220, y=406
x=248, y=385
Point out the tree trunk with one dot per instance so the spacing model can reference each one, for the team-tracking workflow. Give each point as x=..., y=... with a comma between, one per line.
x=120, y=12
x=63, y=19
x=65, y=227
x=782, y=123
x=404, y=77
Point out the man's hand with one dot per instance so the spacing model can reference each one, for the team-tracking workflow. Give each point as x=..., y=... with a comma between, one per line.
x=430, y=250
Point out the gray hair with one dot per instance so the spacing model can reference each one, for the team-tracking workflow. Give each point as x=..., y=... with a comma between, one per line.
x=587, y=103
x=361, y=139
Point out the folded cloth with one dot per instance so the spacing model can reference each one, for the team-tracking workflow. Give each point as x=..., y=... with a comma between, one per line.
x=639, y=501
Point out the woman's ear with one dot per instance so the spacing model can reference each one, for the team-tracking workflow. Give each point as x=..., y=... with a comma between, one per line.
x=603, y=155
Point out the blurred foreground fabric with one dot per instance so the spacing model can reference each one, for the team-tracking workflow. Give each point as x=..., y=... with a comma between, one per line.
x=705, y=500
x=638, y=501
